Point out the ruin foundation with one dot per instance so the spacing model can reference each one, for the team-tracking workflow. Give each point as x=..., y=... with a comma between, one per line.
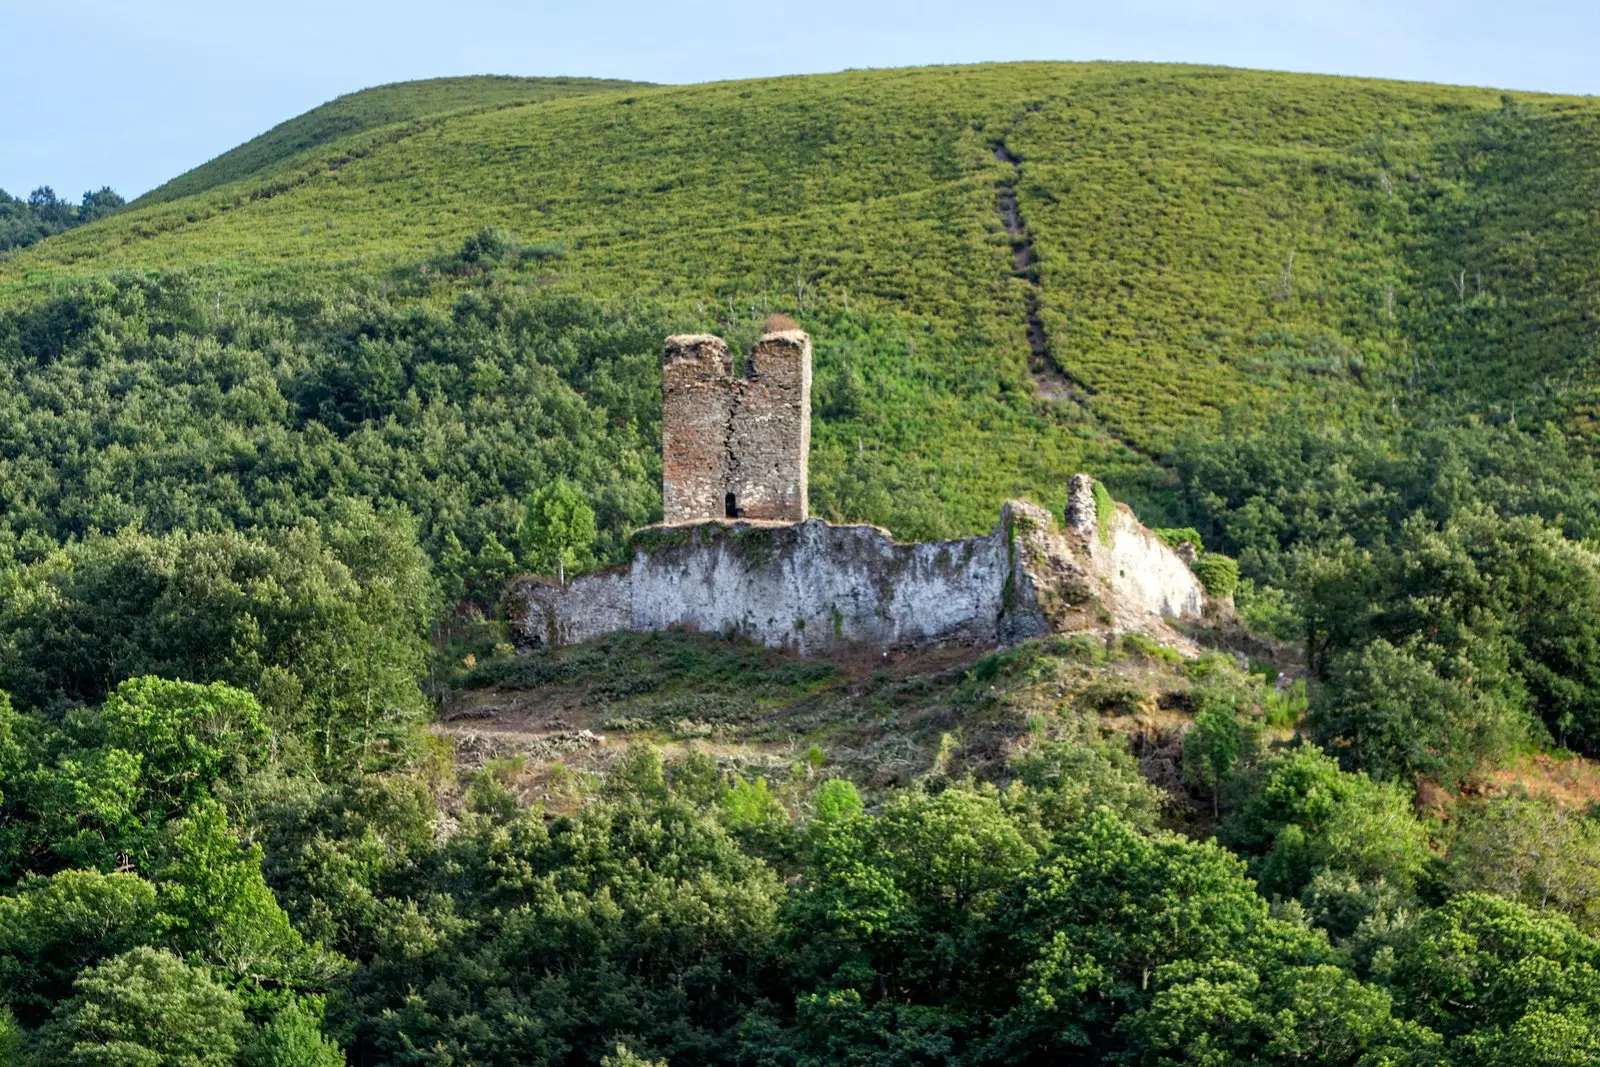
x=814, y=586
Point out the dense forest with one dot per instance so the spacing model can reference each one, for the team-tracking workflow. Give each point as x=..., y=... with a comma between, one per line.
x=272, y=442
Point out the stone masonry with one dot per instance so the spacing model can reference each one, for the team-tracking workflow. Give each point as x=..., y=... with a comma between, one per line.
x=736, y=447
x=814, y=586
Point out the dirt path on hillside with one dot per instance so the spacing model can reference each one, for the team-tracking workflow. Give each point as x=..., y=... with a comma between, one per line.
x=1049, y=380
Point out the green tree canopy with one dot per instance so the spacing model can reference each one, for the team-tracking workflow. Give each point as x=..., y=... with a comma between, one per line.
x=558, y=533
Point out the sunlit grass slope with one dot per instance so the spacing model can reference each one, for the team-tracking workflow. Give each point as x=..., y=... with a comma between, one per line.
x=368, y=109
x=1200, y=238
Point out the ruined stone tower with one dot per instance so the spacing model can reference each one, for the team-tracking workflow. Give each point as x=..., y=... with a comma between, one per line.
x=736, y=447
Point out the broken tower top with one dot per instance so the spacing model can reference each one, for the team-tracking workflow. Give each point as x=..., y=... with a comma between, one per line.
x=736, y=447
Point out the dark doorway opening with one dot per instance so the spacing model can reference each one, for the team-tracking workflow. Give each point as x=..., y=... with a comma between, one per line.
x=730, y=506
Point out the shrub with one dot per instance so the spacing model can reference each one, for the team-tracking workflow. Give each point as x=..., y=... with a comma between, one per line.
x=1218, y=573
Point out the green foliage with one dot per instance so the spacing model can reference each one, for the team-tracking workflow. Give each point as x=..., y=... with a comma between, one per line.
x=1482, y=964
x=52, y=928
x=1219, y=742
x=1391, y=712
x=323, y=622
x=1531, y=850
x=1306, y=816
x=146, y=1007
x=242, y=487
x=1181, y=535
x=261, y=416
x=1064, y=781
x=1323, y=256
x=623, y=1057
x=1218, y=573
x=189, y=737
x=558, y=530
x=294, y=1038
x=1105, y=510
x=42, y=214
x=214, y=905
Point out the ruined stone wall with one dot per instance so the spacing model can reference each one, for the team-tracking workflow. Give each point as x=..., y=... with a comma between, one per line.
x=736, y=446
x=814, y=586
x=549, y=615
x=1141, y=569
x=697, y=403
x=772, y=430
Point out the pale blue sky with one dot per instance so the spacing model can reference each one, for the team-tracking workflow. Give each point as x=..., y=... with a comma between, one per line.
x=132, y=93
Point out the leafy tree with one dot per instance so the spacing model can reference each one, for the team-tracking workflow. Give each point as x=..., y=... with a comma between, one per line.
x=43, y=214
x=1090, y=928
x=293, y=1038
x=1225, y=1013
x=1481, y=963
x=146, y=1006
x=1529, y=849
x=621, y=1056
x=1062, y=781
x=1216, y=745
x=1305, y=816
x=188, y=737
x=1391, y=712
x=51, y=928
x=558, y=530
x=214, y=905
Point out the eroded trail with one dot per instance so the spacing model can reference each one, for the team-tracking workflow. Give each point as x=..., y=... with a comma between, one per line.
x=1049, y=380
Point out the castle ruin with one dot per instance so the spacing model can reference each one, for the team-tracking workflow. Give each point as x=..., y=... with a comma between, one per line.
x=737, y=553
x=736, y=446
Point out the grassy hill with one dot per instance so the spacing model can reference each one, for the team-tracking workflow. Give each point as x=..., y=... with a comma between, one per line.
x=354, y=113
x=1184, y=240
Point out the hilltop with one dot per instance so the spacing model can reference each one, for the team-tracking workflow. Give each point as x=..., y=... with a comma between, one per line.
x=354, y=113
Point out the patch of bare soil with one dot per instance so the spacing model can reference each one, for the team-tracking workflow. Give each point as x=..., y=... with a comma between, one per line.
x=1572, y=782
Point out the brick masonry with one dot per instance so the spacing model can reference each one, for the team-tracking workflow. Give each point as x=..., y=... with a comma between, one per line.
x=736, y=446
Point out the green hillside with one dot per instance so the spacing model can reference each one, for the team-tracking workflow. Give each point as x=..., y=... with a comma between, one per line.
x=369, y=109
x=1199, y=236
x=1012, y=271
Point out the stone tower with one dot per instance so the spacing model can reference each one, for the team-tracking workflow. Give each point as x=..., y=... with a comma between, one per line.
x=736, y=447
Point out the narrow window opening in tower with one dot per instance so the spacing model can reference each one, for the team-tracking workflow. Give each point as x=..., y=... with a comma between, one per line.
x=730, y=506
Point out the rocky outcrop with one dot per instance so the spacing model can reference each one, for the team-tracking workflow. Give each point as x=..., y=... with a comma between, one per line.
x=815, y=586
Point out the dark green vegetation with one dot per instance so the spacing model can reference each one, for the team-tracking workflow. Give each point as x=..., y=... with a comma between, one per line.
x=192, y=896
x=272, y=440
x=42, y=214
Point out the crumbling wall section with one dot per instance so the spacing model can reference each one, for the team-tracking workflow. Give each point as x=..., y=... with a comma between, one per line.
x=814, y=586
x=1146, y=577
x=543, y=614
x=697, y=411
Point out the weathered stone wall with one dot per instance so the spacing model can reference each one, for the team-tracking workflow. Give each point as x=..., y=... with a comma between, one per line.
x=697, y=402
x=547, y=615
x=813, y=586
x=1143, y=571
x=734, y=442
